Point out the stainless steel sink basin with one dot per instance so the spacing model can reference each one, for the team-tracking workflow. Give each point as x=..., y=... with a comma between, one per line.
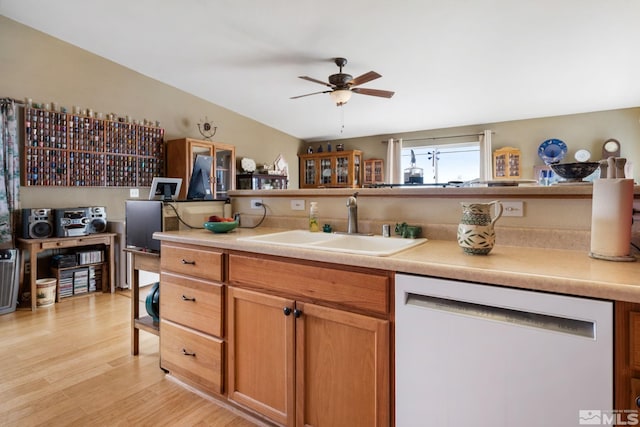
x=347, y=243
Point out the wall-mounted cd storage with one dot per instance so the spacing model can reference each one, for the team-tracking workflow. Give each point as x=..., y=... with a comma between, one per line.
x=74, y=150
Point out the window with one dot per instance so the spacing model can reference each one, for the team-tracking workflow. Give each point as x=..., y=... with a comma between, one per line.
x=444, y=163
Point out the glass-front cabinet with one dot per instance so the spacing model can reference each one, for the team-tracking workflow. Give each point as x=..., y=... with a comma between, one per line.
x=181, y=155
x=334, y=169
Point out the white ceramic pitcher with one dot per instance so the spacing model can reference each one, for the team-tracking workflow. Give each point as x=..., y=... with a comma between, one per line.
x=476, y=234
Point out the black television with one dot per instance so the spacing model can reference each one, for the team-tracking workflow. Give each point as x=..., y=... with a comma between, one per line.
x=143, y=218
x=200, y=182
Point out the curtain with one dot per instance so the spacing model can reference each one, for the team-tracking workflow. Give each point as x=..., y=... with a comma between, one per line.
x=10, y=175
x=393, y=170
x=486, y=160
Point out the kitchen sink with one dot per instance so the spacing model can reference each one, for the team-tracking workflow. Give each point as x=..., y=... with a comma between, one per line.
x=333, y=242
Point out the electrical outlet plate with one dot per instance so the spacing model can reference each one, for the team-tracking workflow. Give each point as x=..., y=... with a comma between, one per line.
x=134, y=192
x=255, y=203
x=297, y=205
x=512, y=208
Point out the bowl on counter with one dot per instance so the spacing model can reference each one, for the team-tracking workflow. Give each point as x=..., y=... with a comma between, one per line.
x=221, y=227
x=574, y=172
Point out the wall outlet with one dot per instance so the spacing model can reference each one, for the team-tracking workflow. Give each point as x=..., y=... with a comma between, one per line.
x=134, y=192
x=512, y=208
x=297, y=205
x=256, y=203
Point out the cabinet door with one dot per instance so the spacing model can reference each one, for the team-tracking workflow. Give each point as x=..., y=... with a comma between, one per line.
x=342, y=368
x=309, y=173
x=326, y=171
x=223, y=170
x=261, y=354
x=343, y=174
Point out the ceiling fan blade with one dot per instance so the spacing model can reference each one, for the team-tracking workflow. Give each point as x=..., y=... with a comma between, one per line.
x=366, y=77
x=309, y=94
x=373, y=92
x=315, y=81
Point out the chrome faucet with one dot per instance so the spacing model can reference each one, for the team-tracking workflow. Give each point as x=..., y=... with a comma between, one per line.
x=352, y=214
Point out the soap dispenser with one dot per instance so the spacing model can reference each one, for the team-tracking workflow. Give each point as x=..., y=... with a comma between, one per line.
x=313, y=217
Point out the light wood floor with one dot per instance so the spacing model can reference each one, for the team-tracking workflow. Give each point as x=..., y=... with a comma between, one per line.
x=70, y=365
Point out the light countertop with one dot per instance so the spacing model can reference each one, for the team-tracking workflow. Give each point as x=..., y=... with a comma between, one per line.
x=553, y=270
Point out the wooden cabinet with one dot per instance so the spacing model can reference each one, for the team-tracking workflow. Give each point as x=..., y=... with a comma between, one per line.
x=507, y=163
x=340, y=169
x=261, y=354
x=191, y=312
x=627, y=356
x=308, y=344
x=373, y=171
x=259, y=181
x=181, y=154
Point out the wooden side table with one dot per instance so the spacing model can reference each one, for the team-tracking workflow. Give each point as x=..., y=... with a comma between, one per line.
x=35, y=246
x=145, y=261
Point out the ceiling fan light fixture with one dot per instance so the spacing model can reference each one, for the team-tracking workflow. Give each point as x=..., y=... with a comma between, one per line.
x=340, y=96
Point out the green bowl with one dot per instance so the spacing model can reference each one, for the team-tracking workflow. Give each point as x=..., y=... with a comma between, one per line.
x=220, y=227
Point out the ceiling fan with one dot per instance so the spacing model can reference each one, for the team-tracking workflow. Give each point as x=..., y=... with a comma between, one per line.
x=343, y=85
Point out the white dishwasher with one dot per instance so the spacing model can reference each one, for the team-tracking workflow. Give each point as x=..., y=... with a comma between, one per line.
x=479, y=355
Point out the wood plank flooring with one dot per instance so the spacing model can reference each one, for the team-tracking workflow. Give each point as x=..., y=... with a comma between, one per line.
x=70, y=365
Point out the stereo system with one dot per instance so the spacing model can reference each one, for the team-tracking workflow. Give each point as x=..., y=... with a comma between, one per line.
x=66, y=222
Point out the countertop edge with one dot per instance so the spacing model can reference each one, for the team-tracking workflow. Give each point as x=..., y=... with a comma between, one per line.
x=560, y=271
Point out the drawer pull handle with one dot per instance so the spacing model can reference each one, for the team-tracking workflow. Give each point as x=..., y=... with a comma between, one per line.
x=184, y=261
x=638, y=401
x=187, y=353
x=186, y=298
x=287, y=311
x=297, y=313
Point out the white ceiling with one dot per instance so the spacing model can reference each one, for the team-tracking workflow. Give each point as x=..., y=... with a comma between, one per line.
x=450, y=62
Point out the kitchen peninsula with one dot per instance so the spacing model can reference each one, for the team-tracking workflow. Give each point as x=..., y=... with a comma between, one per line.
x=346, y=289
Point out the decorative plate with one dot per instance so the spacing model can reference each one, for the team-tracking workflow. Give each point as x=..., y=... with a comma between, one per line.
x=552, y=151
x=582, y=155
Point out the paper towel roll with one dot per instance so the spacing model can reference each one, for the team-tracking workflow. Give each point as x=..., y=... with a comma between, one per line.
x=611, y=215
x=226, y=210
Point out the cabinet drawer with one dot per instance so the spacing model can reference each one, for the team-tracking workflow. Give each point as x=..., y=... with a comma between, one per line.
x=197, y=261
x=349, y=288
x=192, y=356
x=191, y=302
x=80, y=241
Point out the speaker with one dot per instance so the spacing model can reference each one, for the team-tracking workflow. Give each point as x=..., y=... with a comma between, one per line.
x=37, y=223
x=97, y=219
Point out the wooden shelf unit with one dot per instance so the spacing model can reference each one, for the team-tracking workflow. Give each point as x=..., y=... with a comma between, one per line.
x=373, y=171
x=62, y=149
x=181, y=154
x=337, y=169
x=33, y=247
x=260, y=181
x=507, y=163
x=61, y=273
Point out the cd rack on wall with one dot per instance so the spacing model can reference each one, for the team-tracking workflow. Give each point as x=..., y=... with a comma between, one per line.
x=62, y=149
